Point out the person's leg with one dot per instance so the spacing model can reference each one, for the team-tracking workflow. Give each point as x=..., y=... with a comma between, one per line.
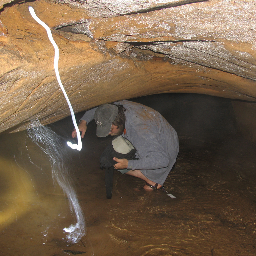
x=139, y=174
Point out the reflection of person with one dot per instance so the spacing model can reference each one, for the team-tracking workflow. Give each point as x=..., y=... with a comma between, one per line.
x=153, y=137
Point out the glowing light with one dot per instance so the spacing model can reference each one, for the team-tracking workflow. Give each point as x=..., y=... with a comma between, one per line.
x=52, y=145
x=56, y=60
x=19, y=194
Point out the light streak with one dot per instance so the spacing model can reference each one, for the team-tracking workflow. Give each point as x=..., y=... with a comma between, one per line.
x=56, y=60
x=52, y=145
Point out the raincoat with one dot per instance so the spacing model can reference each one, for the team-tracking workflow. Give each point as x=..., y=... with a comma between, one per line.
x=154, y=138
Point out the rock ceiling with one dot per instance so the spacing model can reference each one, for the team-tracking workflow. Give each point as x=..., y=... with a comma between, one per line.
x=113, y=50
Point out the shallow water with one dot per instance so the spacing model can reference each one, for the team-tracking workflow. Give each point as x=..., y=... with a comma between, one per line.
x=213, y=181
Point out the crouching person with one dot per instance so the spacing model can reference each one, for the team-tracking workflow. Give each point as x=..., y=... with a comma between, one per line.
x=155, y=140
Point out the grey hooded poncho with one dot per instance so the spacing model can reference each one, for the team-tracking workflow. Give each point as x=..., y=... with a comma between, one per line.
x=153, y=137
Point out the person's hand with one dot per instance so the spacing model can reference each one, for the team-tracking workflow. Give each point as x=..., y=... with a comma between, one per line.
x=82, y=126
x=121, y=163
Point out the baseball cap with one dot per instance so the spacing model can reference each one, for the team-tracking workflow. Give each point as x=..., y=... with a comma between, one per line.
x=104, y=117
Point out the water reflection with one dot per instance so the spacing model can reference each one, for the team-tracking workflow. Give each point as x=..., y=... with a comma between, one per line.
x=213, y=180
x=53, y=146
x=17, y=192
x=36, y=190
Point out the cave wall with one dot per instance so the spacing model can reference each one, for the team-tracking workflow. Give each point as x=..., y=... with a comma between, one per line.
x=121, y=50
x=245, y=113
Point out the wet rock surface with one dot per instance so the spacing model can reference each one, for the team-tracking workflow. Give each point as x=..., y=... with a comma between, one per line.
x=117, y=51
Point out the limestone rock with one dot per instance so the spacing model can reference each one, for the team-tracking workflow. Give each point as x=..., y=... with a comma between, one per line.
x=113, y=50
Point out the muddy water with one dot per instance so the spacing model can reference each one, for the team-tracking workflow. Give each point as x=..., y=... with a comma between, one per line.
x=213, y=181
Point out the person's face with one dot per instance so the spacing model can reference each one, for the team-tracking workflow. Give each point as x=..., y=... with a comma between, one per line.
x=115, y=130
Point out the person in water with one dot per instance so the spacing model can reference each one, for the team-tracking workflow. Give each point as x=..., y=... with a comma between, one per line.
x=155, y=140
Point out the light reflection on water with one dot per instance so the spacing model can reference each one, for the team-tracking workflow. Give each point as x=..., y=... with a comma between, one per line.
x=36, y=190
x=16, y=200
x=212, y=207
x=52, y=145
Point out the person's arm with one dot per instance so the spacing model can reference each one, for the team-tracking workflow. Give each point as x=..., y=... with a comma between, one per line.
x=86, y=118
x=152, y=160
x=151, y=156
x=120, y=163
x=82, y=127
x=89, y=115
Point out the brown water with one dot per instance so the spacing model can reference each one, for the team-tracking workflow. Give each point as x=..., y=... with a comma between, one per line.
x=214, y=212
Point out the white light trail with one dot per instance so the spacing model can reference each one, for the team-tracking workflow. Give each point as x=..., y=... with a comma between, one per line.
x=56, y=60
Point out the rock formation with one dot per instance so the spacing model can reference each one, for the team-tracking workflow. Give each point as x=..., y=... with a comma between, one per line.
x=113, y=50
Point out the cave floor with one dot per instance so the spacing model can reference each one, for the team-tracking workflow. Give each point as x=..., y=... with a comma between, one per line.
x=213, y=212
